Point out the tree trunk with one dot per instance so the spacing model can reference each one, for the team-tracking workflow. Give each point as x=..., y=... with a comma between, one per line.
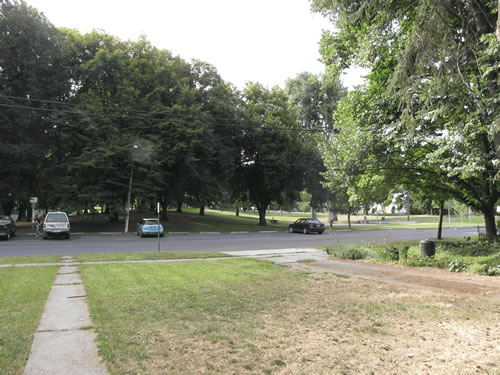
x=441, y=214
x=237, y=209
x=22, y=210
x=349, y=218
x=179, y=206
x=489, y=222
x=262, y=214
x=164, y=213
x=331, y=213
x=202, y=210
x=313, y=213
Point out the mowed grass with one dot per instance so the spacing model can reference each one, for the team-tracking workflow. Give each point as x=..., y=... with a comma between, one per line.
x=226, y=221
x=23, y=293
x=25, y=260
x=243, y=316
x=106, y=257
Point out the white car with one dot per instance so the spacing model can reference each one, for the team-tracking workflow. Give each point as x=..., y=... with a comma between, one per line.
x=56, y=224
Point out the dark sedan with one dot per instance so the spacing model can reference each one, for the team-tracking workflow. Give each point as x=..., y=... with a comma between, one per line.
x=307, y=226
x=7, y=227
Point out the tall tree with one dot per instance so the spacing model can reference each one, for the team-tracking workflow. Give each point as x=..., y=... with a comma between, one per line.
x=434, y=88
x=316, y=99
x=33, y=76
x=271, y=156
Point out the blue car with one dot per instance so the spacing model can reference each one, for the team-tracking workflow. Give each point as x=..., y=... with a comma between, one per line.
x=149, y=227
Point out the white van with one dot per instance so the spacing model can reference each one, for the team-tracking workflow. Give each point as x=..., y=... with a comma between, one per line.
x=56, y=224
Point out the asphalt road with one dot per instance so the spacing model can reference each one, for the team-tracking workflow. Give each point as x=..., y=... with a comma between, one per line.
x=25, y=244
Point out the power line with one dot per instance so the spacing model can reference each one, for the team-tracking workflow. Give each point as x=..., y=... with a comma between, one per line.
x=122, y=115
x=157, y=121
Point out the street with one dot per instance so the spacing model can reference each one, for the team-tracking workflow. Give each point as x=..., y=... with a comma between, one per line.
x=25, y=244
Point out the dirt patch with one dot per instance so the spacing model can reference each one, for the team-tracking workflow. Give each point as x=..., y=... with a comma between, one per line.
x=427, y=278
x=335, y=325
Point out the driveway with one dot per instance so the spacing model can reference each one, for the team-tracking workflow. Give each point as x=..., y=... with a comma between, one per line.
x=422, y=278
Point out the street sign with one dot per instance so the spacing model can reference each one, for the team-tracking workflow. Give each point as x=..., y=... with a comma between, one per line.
x=33, y=200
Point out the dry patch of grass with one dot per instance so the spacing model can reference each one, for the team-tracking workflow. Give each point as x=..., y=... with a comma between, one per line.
x=249, y=317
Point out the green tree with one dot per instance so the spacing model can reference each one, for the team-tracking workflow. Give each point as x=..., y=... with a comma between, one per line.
x=433, y=90
x=316, y=99
x=271, y=155
x=33, y=76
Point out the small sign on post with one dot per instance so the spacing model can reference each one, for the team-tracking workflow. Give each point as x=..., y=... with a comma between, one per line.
x=33, y=201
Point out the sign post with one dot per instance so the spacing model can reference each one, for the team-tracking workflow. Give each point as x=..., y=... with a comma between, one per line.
x=158, y=209
x=33, y=201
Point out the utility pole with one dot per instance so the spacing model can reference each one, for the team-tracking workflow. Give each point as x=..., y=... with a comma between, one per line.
x=127, y=217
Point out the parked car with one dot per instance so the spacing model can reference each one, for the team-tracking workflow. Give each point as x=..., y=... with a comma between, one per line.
x=306, y=225
x=7, y=227
x=149, y=227
x=56, y=224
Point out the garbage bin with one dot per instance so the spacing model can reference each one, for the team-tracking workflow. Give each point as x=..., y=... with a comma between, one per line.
x=427, y=248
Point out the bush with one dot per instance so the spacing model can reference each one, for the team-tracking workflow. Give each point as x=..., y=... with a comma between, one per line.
x=484, y=269
x=469, y=248
x=351, y=252
x=457, y=265
x=393, y=252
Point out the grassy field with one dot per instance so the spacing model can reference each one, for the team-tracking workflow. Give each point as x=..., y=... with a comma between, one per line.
x=34, y=259
x=242, y=316
x=97, y=257
x=23, y=292
x=227, y=221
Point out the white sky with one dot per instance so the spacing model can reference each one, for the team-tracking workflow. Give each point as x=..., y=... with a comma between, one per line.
x=266, y=41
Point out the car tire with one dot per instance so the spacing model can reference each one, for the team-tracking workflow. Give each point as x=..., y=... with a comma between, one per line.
x=320, y=232
x=161, y=235
x=305, y=231
x=68, y=236
x=290, y=230
x=141, y=234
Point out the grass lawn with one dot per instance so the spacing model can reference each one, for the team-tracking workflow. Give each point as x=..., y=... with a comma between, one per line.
x=23, y=293
x=34, y=259
x=227, y=221
x=243, y=316
x=145, y=256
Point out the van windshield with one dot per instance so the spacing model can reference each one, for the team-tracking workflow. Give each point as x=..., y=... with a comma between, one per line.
x=56, y=218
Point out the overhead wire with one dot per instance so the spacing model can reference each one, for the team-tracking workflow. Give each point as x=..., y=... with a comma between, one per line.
x=135, y=117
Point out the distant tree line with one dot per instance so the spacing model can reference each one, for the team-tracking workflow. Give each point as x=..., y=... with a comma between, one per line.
x=84, y=117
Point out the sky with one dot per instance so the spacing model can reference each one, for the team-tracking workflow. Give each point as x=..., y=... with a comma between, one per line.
x=266, y=41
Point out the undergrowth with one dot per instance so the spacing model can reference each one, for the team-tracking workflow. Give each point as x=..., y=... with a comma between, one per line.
x=464, y=255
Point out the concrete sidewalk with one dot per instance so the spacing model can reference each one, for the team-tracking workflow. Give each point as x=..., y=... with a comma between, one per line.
x=64, y=344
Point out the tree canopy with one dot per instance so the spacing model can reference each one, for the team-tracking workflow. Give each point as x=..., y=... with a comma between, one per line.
x=84, y=116
x=431, y=100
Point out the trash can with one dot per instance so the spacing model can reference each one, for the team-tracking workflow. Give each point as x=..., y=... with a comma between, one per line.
x=427, y=248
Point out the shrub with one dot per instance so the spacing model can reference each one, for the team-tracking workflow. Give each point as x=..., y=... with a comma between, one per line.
x=393, y=252
x=484, y=269
x=469, y=248
x=457, y=265
x=351, y=252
